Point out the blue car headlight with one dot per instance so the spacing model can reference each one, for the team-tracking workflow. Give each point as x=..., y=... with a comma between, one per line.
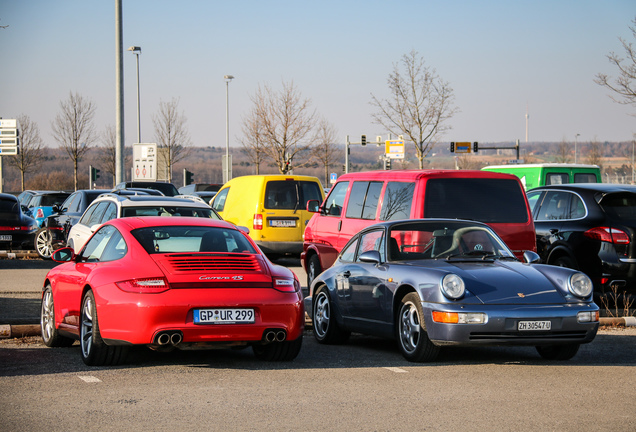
x=453, y=286
x=580, y=285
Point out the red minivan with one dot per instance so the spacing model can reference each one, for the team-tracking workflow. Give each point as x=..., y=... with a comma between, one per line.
x=360, y=199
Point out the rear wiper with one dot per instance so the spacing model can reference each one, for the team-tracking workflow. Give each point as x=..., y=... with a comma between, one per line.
x=297, y=198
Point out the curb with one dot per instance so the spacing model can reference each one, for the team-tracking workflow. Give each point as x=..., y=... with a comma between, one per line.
x=18, y=254
x=629, y=321
x=8, y=331
x=18, y=331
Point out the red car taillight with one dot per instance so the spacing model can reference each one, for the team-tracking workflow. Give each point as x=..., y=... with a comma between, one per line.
x=15, y=228
x=258, y=221
x=286, y=285
x=144, y=285
x=606, y=234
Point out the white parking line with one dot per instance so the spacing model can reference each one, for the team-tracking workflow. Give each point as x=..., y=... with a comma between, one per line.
x=89, y=379
x=396, y=370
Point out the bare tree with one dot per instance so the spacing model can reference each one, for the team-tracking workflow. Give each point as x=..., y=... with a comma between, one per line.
x=563, y=152
x=286, y=124
x=326, y=150
x=252, y=140
x=595, y=154
x=419, y=105
x=73, y=128
x=623, y=86
x=31, y=151
x=171, y=134
x=467, y=162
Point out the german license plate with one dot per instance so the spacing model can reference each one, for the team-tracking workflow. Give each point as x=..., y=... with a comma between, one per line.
x=5, y=238
x=282, y=223
x=534, y=325
x=223, y=316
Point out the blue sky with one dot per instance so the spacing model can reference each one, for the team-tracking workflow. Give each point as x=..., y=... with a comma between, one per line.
x=499, y=57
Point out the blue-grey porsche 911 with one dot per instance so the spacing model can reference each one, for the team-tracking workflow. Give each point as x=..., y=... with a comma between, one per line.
x=435, y=282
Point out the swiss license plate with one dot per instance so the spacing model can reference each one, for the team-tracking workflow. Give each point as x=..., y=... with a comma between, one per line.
x=282, y=223
x=6, y=238
x=223, y=316
x=534, y=325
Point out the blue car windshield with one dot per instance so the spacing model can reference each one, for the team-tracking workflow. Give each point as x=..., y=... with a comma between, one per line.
x=444, y=239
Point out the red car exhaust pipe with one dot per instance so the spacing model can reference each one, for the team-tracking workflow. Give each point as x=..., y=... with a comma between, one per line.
x=176, y=338
x=270, y=336
x=163, y=339
x=281, y=336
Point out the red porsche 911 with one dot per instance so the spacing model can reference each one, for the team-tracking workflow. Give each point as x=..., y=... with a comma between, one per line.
x=166, y=283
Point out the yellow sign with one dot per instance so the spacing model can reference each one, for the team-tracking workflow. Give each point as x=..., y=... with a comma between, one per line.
x=463, y=147
x=394, y=149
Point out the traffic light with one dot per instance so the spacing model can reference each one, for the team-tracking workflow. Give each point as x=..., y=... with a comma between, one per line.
x=363, y=140
x=387, y=164
x=94, y=173
x=344, y=168
x=475, y=147
x=188, y=177
x=452, y=147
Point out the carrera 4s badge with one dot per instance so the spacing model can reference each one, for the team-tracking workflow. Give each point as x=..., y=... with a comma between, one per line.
x=238, y=278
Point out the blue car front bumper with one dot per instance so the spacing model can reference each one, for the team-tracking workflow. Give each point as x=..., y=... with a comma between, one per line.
x=502, y=324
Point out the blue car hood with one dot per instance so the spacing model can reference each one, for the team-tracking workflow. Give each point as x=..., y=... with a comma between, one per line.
x=503, y=282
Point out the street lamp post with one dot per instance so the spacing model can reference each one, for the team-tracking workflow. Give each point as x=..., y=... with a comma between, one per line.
x=576, y=143
x=137, y=50
x=227, y=169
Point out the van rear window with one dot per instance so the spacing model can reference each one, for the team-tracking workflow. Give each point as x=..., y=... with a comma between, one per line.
x=290, y=195
x=584, y=178
x=485, y=200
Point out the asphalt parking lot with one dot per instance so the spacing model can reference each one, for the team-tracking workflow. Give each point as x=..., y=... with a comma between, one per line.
x=492, y=388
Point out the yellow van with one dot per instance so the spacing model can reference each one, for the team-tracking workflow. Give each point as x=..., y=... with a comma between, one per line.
x=273, y=207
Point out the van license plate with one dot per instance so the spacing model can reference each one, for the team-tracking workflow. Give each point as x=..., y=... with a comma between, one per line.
x=534, y=325
x=282, y=223
x=223, y=316
x=5, y=238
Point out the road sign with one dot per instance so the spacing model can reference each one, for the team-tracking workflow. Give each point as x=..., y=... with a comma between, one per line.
x=394, y=149
x=144, y=162
x=8, y=133
x=332, y=178
x=8, y=142
x=8, y=151
x=8, y=123
x=463, y=147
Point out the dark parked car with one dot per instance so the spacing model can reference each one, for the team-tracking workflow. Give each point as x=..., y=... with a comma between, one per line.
x=435, y=282
x=25, y=196
x=590, y=227
x=205, y=191
x=64, y=217
x=168, y=189
x=17, y=230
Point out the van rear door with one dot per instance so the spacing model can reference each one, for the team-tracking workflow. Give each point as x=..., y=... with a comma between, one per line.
x=499, y=202
x=285, y=203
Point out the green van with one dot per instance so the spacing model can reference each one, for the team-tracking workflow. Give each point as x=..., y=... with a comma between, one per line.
x=534, y=175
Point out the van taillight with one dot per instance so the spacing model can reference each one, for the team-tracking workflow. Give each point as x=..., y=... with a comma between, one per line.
x=258, y=221
x=606, y=234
